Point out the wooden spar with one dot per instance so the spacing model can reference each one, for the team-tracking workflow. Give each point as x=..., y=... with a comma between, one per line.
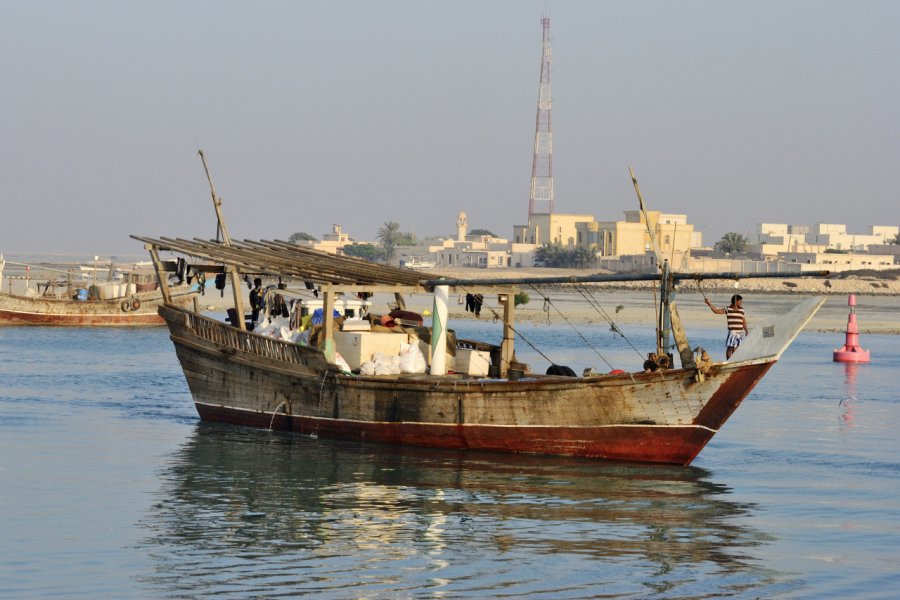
x=226, y=240
x=160, y=274
x=613, y=278
x=217, y=203
x=640, y=197
x=664, y=319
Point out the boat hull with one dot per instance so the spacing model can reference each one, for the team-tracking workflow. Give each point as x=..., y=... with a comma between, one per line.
x=22, y=310
x=662, y=417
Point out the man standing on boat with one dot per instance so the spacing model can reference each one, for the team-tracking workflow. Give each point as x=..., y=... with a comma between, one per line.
x=737, y=323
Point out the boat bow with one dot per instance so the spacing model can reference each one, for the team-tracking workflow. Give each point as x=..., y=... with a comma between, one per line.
x=770, y=339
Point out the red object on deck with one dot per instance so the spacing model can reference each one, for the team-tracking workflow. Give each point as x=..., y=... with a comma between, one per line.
x=851, y=352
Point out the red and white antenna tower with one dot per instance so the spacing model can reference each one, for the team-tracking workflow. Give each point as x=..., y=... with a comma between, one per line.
x=541, y=198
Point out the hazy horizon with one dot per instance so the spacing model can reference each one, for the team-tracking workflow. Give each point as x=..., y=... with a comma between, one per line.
x=315, y=113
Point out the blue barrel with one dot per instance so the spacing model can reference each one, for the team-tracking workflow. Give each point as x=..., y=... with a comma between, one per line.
x=82, y=295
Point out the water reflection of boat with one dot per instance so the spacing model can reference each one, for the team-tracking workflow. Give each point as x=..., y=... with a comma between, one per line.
x=288, y=501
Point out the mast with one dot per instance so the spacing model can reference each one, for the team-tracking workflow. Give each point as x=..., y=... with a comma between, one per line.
x=226, y=240
x=669, y=321
x=217, y=204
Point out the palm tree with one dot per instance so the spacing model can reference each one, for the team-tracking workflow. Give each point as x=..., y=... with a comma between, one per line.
x=733, y=243
x=388, y=236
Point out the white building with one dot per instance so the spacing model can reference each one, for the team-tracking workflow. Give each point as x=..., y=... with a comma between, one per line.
x=771, y=239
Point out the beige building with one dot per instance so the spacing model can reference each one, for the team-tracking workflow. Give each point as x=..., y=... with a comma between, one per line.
x=553, y=228
x=480, y=251
x=331, y=242
x=674, y=236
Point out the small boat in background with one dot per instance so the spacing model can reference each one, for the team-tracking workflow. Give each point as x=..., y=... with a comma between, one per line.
x=416, y=262
x=128, y=297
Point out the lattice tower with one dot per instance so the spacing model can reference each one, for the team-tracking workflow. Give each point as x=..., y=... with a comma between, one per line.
x=541, y=198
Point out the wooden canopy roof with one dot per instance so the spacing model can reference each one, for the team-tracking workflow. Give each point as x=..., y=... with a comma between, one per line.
x=279, y=258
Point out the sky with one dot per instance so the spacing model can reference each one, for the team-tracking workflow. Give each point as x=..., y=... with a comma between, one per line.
x=313, y=113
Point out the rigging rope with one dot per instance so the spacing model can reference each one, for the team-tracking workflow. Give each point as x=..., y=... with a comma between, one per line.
x=518, y=333
x=599, y=308
x=548, y=302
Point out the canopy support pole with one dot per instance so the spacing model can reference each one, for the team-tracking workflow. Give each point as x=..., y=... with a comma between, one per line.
x=439, y=330
x=507, y=346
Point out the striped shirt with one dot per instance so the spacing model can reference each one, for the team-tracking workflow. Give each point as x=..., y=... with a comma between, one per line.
x=735, y=318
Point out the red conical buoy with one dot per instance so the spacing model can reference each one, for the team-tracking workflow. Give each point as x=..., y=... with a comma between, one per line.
x=851, y=352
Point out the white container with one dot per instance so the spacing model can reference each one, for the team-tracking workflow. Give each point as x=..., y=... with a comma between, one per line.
x=357, y=347
x=356, y=325
x=107, y=290
x=472, y=362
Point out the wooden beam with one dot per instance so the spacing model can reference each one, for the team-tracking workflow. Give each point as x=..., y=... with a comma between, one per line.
x=160, y=274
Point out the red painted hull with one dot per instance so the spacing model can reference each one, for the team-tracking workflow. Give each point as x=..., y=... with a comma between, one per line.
x=632, y=443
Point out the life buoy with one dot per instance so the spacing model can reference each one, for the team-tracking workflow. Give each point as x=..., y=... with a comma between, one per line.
x=126, y=306
x=135, y=304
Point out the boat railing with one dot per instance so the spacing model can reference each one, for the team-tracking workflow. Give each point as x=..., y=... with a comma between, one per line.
x=226, y=335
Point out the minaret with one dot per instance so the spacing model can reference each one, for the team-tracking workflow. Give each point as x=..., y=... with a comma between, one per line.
x=461, y=226
x=541, y=198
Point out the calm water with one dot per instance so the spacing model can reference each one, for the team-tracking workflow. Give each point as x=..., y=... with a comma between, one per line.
x=111, y=487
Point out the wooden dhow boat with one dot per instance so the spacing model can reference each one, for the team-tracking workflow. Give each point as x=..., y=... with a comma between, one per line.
x=112, y=305
x=651, y=415
x=661, y=416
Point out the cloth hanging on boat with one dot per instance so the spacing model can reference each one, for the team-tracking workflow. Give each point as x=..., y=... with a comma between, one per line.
x=201, y=281
x=180, y=269
x=221, y=278
x=473, y=303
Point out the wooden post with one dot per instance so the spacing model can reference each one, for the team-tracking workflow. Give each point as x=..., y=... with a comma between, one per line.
x=507, y=346
x=160, y=274
x=328, y=323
